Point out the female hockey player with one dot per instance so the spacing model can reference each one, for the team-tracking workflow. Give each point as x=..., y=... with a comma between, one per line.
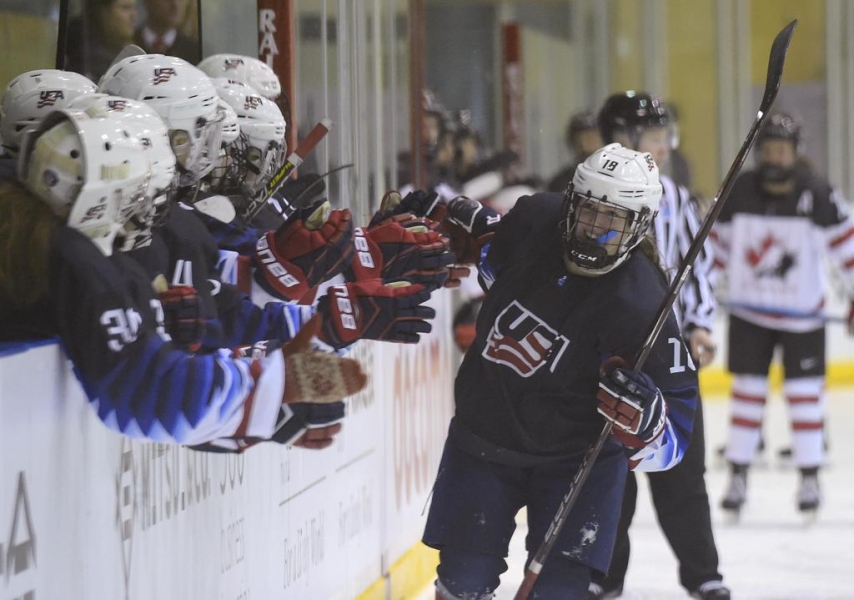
x=61, y=275
x=771, y=238
x=571, y=295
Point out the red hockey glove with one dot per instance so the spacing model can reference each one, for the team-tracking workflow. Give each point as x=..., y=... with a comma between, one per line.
x=401, y=248
x=374, y=311
x=307, y=250
x=633, y=402
x=182, y=316
x=470, y=226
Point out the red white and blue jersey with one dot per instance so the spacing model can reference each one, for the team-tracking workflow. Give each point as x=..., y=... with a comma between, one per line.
x=529, y=381
x=773, y=250
x=110, y=324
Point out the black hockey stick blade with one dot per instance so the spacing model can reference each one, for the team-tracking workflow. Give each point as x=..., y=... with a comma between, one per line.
x=776, y=61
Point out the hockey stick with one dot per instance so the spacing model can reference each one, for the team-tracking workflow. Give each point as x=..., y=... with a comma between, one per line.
x=776, y=61
x=294, y=160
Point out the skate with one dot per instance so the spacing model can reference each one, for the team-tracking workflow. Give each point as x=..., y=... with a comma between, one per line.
x=712, y=590
x=736, y=493
x=595, y=592
x=809, y=496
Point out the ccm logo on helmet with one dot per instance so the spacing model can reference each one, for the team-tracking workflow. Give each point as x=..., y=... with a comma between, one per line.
x=345, y=307
x=272, y=265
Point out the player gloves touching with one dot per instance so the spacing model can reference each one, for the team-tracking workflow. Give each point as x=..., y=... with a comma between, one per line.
x=633, y=402
x=373, y=310
x=314, y=245
x=315, y=385
x=470, y=226
x=401, y=247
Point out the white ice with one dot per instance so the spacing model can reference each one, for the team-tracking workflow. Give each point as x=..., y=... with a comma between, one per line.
x=771, y=554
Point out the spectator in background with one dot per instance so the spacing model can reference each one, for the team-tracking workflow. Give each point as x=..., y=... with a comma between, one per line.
x=582, y=140
x=161, y=33
x=97, y=35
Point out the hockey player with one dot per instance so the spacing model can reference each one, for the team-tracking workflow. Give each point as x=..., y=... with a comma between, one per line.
x=570, y=289
x=641, y=121
x=582, y=139
x=771, y=239
x=93, y=173
x=27, y=99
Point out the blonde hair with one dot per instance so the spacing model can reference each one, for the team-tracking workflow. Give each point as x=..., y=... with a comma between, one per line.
x=26, y=225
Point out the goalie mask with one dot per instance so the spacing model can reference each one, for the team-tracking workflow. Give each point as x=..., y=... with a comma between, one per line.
x=185, y=99
x=91, y=175
x=33, y=95
x=246, y=69
x=260, y=149
x=608, y=208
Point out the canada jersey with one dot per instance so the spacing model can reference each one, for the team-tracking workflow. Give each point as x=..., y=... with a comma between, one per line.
x=773, y=251
x=529, y=381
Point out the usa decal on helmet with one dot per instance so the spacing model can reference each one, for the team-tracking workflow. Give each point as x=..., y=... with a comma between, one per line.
x=163, y=74
x=252, y=102
x=49, y=98
x=117, y=105
x=232, y=63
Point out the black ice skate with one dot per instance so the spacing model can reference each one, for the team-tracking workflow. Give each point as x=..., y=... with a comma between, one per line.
x=712, y=590
x=809, y=494
x=736, y=493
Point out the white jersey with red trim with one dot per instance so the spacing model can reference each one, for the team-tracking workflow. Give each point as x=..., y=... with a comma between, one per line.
x=773, y=250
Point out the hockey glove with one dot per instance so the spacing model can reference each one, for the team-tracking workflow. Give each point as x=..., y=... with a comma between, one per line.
x=182, y=316
x=401, y=248
x=633, y=402
x=374, y=311
x=307, y=250
x=470, y=226
x=418, y=203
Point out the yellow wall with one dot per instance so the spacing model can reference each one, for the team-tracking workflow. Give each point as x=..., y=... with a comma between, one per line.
x=626, y=45
x=805, y=60
x=26, y=43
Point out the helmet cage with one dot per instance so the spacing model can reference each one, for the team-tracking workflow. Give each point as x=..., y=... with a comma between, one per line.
x=598, y=234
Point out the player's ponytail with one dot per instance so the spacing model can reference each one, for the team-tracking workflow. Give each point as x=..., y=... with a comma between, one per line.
x=650, y=250
x=25, y=229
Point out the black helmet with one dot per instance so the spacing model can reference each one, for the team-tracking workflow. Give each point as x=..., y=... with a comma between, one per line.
x=579, y=122
x=630, y=113
x=780, y=126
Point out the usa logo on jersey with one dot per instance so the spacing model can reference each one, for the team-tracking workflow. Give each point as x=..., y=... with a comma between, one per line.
x=49, y=98
x=520, y=340
x=163, y=74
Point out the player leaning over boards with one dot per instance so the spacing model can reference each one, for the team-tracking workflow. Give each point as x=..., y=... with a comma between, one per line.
x=770, y=241
x=570, y=288
x=642, y=122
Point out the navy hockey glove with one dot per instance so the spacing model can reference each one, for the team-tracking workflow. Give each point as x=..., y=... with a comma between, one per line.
x=314, y=245
x=401, y=248
x=419, y=203
x=182, y=316
x=470, y=226
x=372, y=310
x=633, y=402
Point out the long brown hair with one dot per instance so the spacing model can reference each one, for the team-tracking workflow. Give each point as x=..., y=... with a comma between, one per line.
x=26, y=224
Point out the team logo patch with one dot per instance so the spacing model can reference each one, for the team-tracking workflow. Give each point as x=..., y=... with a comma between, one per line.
x=49, y=98
x=232, y=63
x=117, y=105
x=770, y=259
x=522, y=341
x=252, y=102
x=163, y=74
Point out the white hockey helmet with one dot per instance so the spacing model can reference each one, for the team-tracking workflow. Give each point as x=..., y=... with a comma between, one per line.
x=247, y=69
x=90, y=173
x=185, y=99
x=31, y=96
x=230, y=126
x=261, y=148
x=608, y=208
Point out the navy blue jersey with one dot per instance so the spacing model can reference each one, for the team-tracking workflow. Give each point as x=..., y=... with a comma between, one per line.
x=187, y=252
x=529, y=381
x=109, y=323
